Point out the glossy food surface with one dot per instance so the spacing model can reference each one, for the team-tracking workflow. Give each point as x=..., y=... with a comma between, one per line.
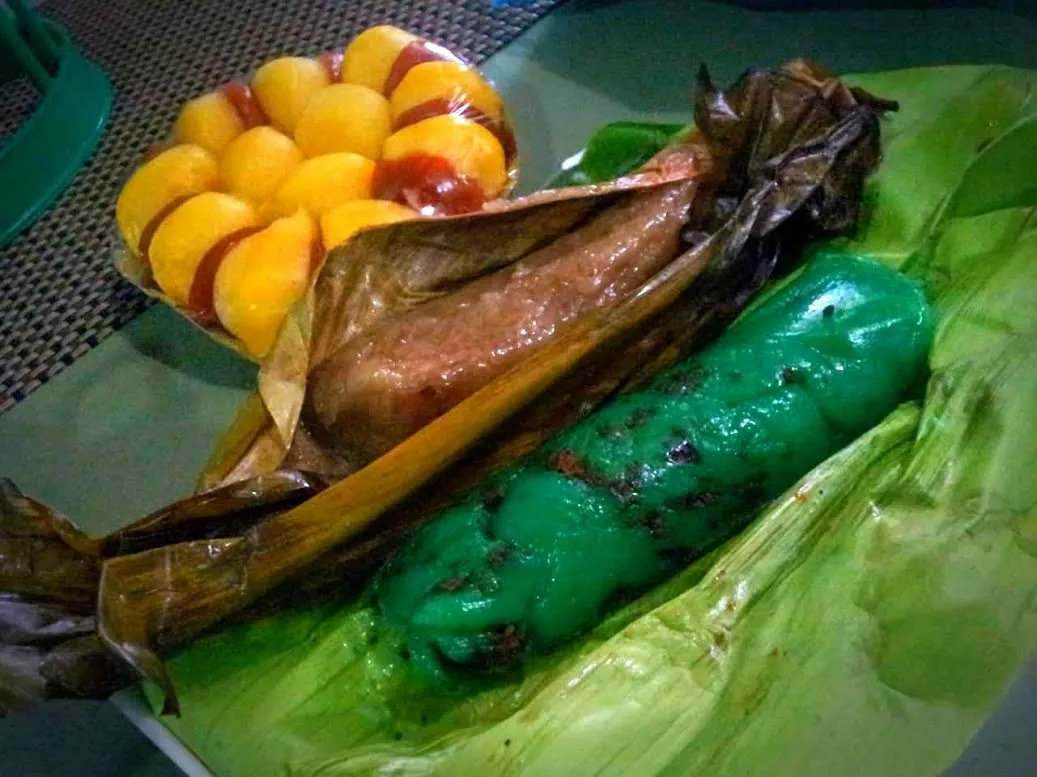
x=379, y=388
x=661, y=475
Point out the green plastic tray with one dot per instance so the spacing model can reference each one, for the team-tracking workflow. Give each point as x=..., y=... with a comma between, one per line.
x=45, y=153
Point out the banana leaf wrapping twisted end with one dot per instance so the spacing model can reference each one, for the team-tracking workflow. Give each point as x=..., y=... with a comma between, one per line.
x=782, y=158
x=50, y=573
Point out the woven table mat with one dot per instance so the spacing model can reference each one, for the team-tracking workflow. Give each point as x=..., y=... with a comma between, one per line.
x=59, y=294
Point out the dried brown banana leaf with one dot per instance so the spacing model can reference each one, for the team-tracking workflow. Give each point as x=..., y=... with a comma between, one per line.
x=50, y=574
x=48, y=579
x=381, y=272
x=384, y=271
x=405, y=321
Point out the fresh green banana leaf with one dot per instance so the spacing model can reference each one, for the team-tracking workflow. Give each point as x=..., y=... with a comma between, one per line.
x=953, y=149
x=614, y=150
x=865, y=624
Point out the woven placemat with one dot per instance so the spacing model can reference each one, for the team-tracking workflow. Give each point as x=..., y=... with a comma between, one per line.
x=59, y=295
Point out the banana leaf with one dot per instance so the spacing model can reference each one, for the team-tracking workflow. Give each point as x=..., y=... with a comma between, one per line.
x=50, y=572
x=614, y=151
x=382, y=273
x=784, y=156
x=865, y=624
x=386, y=271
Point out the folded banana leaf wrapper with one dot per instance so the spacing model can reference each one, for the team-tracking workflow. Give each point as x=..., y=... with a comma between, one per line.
x=389, y=336
x=780, y=157
x=865, y=624
x=50, y=572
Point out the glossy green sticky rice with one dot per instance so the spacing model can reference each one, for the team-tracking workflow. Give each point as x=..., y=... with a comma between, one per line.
x=661, y=476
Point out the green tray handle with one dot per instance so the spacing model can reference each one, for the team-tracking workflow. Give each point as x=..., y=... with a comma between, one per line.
x=46, y=152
